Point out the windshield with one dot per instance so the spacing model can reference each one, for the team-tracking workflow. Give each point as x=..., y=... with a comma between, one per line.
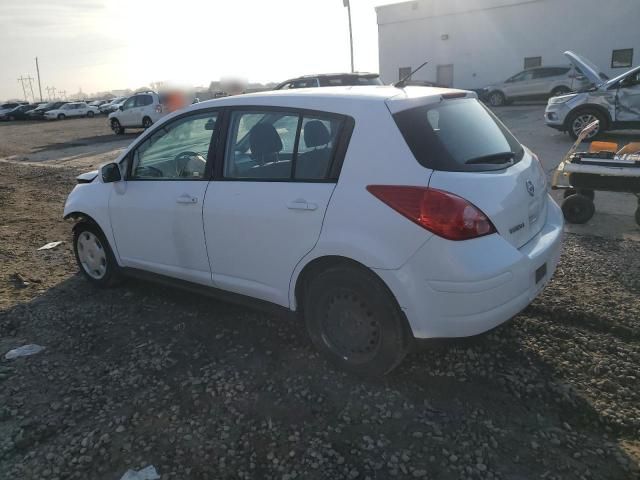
x=458, y=135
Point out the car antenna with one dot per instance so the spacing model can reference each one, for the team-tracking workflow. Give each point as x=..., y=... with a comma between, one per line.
x=403, y=82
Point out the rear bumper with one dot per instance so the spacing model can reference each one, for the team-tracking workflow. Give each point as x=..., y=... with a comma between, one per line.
x=460, y=289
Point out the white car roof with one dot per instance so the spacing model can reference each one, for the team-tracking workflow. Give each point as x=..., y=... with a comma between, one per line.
x=346, y=100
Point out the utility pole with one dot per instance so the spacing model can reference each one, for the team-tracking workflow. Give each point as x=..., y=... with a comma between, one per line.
x=30, y=79
x=347, y=3
x=39, y=85
x=52, y=96
x=63, y=94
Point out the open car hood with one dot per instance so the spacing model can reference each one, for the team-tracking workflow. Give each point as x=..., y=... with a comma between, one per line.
x=628, y=73
x=587, y=67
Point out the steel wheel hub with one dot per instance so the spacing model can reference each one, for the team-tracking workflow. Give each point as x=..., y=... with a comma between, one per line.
x=92, y=255
x=350, y=328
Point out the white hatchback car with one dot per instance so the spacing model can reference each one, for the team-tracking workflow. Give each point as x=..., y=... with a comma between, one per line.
x=71, y=109
x=380, y=214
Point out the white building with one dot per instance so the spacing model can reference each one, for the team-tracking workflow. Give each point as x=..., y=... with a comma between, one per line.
x=472, y=43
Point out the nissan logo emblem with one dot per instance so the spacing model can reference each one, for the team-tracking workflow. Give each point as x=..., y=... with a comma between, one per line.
x=530, y=188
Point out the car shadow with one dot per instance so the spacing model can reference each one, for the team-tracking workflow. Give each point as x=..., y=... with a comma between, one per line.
x=155, y=359
x=88, y=141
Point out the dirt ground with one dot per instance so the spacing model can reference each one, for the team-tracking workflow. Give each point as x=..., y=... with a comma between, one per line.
x=145, y=375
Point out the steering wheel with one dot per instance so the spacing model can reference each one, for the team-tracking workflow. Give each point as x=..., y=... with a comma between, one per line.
x=183, y=159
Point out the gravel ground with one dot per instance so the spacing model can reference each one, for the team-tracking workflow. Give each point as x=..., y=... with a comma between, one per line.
x=143, y=375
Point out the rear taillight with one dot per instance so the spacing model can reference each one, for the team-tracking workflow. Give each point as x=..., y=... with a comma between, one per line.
x=440, y=212
x=159, y=108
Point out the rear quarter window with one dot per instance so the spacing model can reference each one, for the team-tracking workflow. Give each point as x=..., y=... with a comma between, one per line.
x=450, y=134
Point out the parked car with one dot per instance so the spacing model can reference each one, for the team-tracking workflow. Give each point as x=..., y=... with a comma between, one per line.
x=38, y=112
x=7, y=107
x=111, y=105
x=615, y=102
x=71, y=109
x=138, y=111
x=19, y=113
x=379, y=214
x=535, y=83
x=97, y=103
x=331, y=80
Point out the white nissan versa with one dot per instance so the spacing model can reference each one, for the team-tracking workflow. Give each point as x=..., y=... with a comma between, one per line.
x=381, y=214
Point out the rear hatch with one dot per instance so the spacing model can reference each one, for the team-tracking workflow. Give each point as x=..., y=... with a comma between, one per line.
x=474, y=156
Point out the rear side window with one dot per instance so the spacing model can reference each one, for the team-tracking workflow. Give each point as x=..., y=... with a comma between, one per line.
x=281, y=146
x=143, y=100
x=457, y=136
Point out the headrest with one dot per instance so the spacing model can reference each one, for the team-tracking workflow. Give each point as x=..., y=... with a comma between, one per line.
x=264, y=139
x=316, y=134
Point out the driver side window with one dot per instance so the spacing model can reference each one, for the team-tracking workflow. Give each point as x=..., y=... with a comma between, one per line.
x=177, y=151
x=129, y=103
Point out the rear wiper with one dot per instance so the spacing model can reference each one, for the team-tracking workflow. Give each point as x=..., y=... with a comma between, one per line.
x=501, y=157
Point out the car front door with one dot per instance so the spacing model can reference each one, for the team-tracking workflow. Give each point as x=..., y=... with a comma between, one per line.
x=156, y=212
x=264, y=210
x=517, y=85
x=127, y=114
x=628, y=99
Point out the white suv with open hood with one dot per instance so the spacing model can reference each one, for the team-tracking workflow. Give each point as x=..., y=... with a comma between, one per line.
x=615, y=102
x=379, y=214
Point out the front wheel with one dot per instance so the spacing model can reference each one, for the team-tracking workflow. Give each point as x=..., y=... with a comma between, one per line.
x=146, y=122
x=497, y=99
x=578, y=120
x=94, y=256
x=116, y=127
x=355, y=322
x=90, y=114
x=61, y=116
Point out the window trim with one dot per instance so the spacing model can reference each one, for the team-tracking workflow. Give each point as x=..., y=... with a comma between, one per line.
x=613, y=52
x=339, y=151
x=208, y=169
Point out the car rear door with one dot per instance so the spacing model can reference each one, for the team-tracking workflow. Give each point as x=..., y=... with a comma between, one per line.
x=156, y=212
x=275, y=173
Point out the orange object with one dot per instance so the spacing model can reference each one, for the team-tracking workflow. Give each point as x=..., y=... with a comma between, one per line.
x=633, y=147
x=603, y=147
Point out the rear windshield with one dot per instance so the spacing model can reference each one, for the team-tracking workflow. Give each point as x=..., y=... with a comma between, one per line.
x=458, y=135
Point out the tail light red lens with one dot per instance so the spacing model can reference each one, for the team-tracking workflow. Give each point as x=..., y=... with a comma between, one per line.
x=443, y=213
x=159, y=108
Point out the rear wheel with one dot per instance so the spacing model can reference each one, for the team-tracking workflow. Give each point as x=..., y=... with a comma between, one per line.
x=354, y=321
x=146, y=122
x=94, y=256
x=116, y=127
x=90, y=114
x=578, y=209
x=497, y=99
x=578, y=120
x=559, y=91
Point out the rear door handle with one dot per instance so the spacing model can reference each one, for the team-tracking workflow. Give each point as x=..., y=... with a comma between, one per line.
x=301, y=204
x=187, y=199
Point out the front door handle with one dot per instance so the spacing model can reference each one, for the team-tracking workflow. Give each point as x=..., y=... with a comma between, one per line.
x=301, y=204
x=187, y=199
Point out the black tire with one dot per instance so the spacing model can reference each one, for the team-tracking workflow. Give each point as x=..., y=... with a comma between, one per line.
x=146, y=122
x=116, y=127
x=497, y=99
x=354, y=321
x=578, y=209
x=90, y=114
x=91, y=232
x=638, y=215
x=61, y=116
x=580, y=119
x=587, y=193
x=559, y=91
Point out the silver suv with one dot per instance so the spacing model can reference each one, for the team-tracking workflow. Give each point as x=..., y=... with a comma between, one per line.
x=615, y=102
x=535, y=83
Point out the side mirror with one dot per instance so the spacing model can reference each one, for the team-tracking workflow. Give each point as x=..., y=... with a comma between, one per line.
x=111, y=173
x=121, y=107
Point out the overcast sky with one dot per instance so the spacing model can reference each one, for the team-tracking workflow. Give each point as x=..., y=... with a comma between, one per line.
x=101, y=45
